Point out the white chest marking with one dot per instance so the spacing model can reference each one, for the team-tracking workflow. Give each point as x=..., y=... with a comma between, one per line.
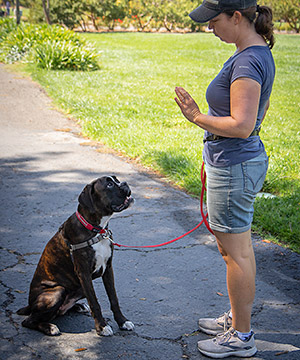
x=102, y=254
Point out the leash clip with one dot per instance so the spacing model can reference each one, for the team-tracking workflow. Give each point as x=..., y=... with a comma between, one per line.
x=107, y=235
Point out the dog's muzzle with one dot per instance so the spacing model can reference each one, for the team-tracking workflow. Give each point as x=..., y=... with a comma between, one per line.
x=128, y=201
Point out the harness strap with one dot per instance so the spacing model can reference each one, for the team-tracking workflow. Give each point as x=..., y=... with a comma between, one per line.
x=84, y=244
x=90, y=242
x=102, y=234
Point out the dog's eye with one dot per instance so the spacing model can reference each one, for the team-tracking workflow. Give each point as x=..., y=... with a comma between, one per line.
x=110, y=185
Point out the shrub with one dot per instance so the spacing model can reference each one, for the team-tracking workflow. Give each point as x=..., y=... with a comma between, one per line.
x=7, y=25
x=57, y=55
x=51, y=47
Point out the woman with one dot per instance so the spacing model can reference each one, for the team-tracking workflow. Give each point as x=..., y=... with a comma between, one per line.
x=235, y=159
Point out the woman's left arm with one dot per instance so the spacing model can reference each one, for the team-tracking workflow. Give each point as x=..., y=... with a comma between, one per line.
x=244, y=102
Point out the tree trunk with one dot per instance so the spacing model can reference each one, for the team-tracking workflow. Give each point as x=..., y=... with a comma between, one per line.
x=18, y=15
x=46, y=8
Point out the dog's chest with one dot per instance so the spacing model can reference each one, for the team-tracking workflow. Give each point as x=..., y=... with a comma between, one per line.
x=102, y=255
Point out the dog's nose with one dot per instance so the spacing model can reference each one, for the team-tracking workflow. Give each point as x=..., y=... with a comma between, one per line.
x=125, y=188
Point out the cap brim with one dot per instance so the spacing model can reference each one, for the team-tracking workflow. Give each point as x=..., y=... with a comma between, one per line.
x=202, y=14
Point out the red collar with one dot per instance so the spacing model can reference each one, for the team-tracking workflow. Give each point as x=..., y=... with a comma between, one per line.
x=87, y=225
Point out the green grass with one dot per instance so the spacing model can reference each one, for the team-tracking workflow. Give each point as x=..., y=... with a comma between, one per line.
x=128, y=105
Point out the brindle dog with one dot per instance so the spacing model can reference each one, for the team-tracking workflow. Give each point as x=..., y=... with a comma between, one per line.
x=63, y=277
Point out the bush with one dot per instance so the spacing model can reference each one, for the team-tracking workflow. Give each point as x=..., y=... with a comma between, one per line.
x=57, y=55
x=51, y=47
x=7, y=25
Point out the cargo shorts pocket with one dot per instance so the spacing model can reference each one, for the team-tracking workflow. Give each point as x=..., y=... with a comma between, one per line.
x=254, y=172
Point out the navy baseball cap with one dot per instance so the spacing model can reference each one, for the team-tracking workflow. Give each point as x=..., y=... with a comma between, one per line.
x=212, y=8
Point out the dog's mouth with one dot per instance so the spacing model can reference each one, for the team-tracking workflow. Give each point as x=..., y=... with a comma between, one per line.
x=127, y=202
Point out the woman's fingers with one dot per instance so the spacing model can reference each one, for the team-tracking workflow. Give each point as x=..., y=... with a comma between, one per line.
x=187, y=105
x=181, y=93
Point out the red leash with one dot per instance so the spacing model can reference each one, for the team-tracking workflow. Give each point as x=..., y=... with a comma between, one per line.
x=100, y=230
x=204, y=219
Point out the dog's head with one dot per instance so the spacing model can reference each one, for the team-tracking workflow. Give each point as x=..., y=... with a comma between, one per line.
x=105, y=196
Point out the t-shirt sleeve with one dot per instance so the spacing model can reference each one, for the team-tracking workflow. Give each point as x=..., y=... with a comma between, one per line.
x=247, y=66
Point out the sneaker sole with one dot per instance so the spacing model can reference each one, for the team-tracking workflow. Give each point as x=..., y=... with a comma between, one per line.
x=240, y=353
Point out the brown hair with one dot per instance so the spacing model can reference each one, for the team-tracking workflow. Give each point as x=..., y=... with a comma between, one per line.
x=262, y=21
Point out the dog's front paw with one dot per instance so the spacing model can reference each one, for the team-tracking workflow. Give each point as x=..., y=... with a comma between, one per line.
x=128, y=325
x=106, y=331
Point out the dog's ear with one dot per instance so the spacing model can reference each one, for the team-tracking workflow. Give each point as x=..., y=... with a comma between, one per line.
x=85, y=198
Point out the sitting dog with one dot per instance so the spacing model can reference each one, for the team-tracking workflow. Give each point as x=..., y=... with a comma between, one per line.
x=74, y=257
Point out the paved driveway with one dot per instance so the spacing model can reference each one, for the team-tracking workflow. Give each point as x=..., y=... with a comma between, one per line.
x=44, y=166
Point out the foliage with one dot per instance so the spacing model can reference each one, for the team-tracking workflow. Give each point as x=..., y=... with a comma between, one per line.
x=36, y=13
x=57, y=55
x=17, y=43
x=68, y=13
x=141, y=13
x=51, y=47
x=112, y=10
x=172, y=14
x=286, y=10
x=144, y=14
x=7, y=25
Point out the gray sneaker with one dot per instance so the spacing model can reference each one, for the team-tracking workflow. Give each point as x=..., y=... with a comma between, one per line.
x=214, y=326
x=228, y=344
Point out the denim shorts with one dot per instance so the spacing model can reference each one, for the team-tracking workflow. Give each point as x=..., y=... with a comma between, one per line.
x=231, y=192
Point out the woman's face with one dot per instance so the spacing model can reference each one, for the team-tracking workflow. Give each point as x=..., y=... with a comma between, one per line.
x=223, y=27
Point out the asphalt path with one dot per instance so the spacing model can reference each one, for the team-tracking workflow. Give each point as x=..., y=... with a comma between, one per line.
x=45, y=164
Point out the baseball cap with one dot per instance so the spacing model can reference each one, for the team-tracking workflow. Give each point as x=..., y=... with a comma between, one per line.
x=212, y=8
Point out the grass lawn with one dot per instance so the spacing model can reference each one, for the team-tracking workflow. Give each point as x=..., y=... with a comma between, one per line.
x=129, y=106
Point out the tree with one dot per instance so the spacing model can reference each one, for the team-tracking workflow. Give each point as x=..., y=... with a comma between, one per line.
x=286, y=10
x=93, y=11
x=111, y=11
x=141, y=13
x=173, y=13
x=46, y=8
x=18, y=14
x=69, y=12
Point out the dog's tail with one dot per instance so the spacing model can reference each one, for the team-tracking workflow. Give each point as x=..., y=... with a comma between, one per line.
x=24, y=311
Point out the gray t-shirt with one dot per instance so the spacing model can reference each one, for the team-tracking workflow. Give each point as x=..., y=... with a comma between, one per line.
x=254, y=62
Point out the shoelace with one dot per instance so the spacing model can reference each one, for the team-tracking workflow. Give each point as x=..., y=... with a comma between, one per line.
x=226, y=317
x=224, y=337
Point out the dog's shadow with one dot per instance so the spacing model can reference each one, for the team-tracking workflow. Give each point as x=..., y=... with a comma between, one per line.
x=76, y=323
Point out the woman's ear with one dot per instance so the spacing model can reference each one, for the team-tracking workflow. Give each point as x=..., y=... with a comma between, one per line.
x=237, y=17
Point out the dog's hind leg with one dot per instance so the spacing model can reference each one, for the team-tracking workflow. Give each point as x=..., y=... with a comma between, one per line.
x=45, y=327
x=44, y=309
x=24, y=311
x=109, y=284
x=81, y=308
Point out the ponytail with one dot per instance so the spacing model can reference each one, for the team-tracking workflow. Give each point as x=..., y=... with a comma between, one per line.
x=264, y=25
x=262, y=17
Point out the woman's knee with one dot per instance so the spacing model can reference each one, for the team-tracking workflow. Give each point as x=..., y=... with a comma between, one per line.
x=235, y=246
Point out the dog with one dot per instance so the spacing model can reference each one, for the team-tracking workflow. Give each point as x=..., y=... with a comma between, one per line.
x=74, y=257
